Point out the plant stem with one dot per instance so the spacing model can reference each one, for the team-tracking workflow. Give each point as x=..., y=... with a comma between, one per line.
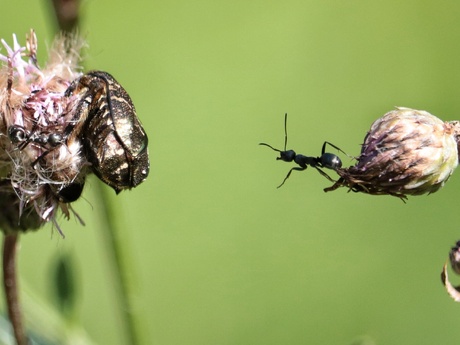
x=67, y=14
x=120, y=259
x=11, y=287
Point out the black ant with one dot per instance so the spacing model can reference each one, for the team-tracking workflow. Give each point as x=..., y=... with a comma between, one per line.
x=66, y=193
x=327, y=160
x=19, y=135
x=22, y=137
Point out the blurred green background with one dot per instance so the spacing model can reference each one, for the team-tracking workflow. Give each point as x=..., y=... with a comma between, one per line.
x=218, y=254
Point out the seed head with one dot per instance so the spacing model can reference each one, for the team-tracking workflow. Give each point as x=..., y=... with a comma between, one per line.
x=34, y=164
x=406, y=152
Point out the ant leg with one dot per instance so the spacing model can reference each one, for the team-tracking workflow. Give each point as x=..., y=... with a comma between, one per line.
x=323, y=150
x=325, y=175
x=289, y=174
x=23, y=145
x=39, y=158
x=44, y=154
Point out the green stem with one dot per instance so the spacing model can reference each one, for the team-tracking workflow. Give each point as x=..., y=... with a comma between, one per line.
x=120, y=259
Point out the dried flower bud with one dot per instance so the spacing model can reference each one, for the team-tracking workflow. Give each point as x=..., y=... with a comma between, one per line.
x=39, y=170
x=406, y=152
x=454, y=258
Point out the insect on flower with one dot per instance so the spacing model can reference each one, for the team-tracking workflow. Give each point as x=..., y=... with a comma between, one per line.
x=40, y=172
x=326, y=160
x=57, y=126
x=66, y=192
x=406, y=152
x=113, y=138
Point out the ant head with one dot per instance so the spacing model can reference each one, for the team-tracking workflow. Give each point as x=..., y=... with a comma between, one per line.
x=287, y=156
x=17, y=134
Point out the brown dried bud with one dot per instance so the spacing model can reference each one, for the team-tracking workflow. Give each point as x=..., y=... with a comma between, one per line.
x=454, y=258
x=406, y=152
x=41, y=172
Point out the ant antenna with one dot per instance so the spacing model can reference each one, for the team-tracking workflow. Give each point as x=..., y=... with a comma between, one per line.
x=285, y=138
x=285, y=131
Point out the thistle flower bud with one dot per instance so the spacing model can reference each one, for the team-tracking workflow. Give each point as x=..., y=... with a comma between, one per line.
x=38, y=169
x=406, y=152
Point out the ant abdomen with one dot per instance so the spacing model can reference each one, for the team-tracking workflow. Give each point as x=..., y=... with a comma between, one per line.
x=331, y=161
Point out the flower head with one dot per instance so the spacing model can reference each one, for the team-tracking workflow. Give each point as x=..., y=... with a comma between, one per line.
x=406, y=152
x=38, y=169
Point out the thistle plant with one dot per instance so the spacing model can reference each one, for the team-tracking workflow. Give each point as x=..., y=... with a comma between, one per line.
x=406, y=152
x=57, y=126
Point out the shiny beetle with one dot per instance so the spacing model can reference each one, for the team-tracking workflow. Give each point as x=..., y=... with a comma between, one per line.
x=113, y=139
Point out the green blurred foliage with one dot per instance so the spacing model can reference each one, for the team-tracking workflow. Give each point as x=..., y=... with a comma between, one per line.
x=64, y=285
x=220, y=255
